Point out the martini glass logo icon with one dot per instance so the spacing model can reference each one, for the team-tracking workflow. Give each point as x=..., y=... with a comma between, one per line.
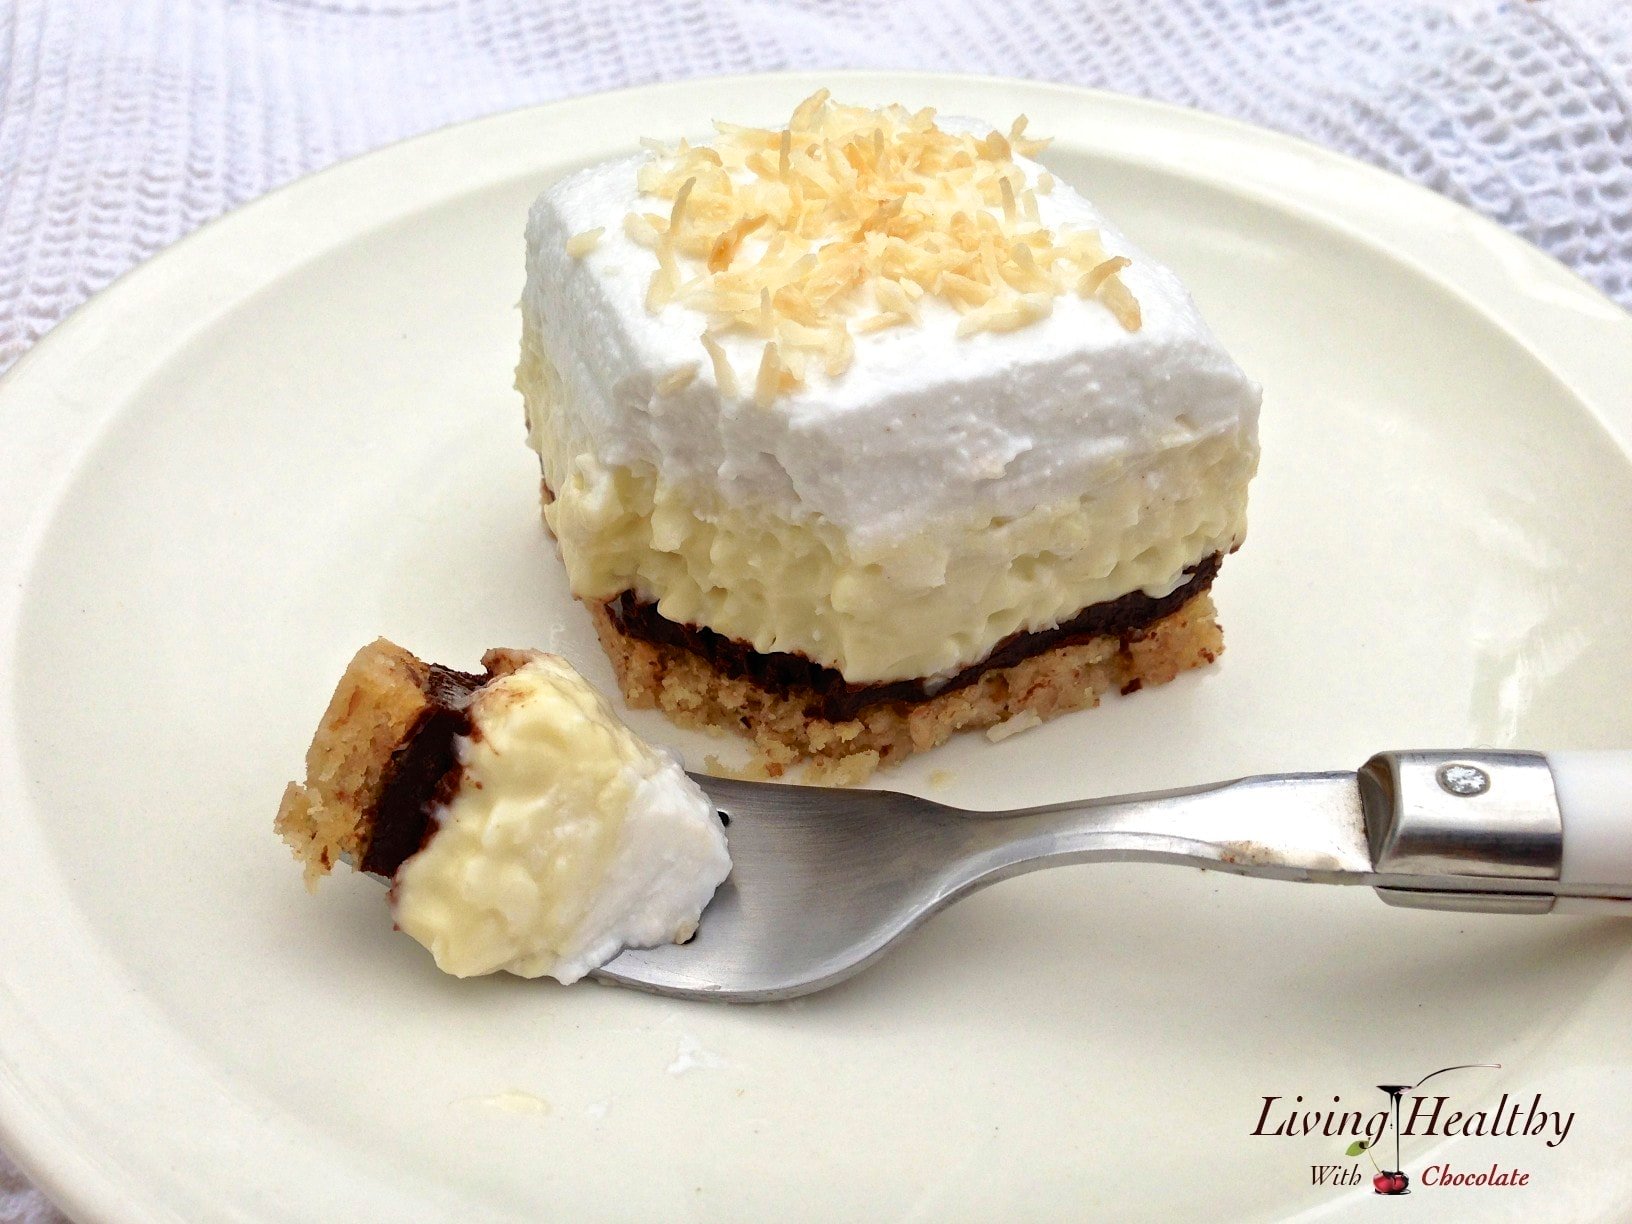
x=1394, y=1181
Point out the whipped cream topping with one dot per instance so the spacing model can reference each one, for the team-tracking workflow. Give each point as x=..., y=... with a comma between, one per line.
x=567, y=839
x=925, y=426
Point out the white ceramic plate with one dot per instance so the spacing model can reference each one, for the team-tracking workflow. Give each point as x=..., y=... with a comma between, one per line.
x=295, y=431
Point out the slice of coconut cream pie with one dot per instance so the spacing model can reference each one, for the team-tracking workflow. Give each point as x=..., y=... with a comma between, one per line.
x=867, y=429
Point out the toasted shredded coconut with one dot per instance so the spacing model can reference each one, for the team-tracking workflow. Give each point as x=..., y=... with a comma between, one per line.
x=791, y=235
x=677, y=380
x=1099, y=274
x=1122, y=303
x=1023, y=721
x=770, y=371
x=582, y=244
x=724, y=377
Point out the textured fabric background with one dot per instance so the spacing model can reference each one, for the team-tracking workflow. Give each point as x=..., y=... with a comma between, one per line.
x=126, y=123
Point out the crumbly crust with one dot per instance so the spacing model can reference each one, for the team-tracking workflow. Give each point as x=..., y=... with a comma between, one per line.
x=376, y=708
x=693, y=693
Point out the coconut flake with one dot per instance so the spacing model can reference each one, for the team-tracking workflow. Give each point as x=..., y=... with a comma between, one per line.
x=582, y=244
x=677, y=380
x=792, y=234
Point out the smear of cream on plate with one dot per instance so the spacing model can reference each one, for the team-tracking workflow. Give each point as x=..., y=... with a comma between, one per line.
x=692, y=1056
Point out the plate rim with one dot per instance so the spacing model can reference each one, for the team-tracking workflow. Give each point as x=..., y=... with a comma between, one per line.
x=56, y=380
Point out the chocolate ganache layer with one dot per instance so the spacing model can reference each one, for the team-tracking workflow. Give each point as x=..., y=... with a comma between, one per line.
x=423, y=770
x=835, y=699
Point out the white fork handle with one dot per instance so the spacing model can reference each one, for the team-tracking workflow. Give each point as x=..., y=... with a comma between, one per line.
x=1595, y=798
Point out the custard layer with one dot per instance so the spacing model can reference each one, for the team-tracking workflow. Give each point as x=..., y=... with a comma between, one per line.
x=892, y=609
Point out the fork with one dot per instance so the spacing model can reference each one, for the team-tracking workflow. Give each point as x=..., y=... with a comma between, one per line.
x=824, y=882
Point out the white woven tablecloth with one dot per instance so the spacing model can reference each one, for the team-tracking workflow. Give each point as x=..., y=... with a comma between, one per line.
x=126, y=123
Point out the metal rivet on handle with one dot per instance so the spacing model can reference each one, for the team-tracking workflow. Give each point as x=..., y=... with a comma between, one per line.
x=1463, y=779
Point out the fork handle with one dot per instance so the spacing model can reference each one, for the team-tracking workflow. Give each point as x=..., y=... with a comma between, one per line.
x=1524, y=828
x=1595, y=799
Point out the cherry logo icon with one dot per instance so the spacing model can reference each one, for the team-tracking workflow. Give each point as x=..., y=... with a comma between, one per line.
x=1391, y=1183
